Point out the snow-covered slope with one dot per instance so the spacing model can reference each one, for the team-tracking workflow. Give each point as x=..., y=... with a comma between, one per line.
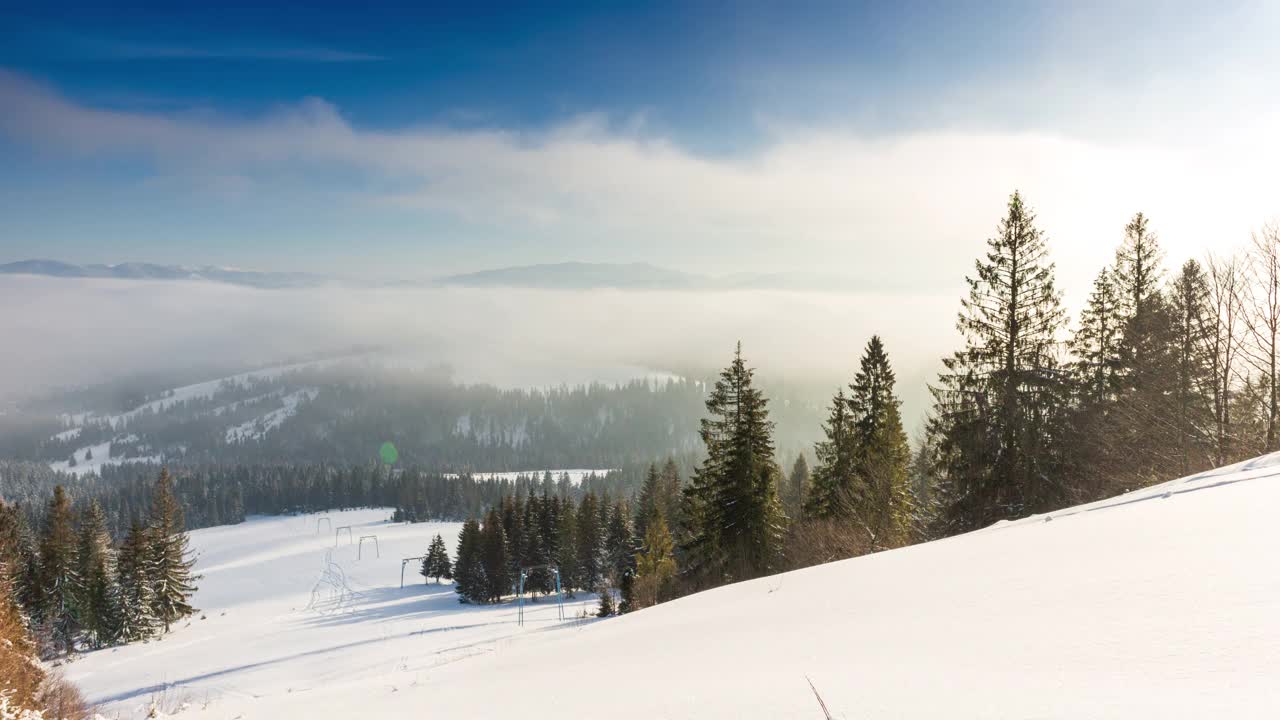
x=1161, y=603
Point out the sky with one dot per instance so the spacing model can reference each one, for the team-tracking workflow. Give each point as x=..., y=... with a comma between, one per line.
x=876, y=140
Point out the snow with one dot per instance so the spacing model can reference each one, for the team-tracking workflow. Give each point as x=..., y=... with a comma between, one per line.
x=101, y=457
x=576, y=475
x=258, y=641
x=260, y=426
x=1159, y=603
x=70, y=434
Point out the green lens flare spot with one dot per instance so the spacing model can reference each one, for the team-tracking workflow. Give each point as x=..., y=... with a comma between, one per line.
x=388, y=453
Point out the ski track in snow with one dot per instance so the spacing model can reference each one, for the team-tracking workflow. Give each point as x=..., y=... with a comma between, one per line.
x=1163, y=602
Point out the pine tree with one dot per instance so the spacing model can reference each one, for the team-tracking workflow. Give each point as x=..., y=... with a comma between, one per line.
x=590, y=541
x=436, y=563
x=58, y=609
x=468, y=570
x=656, y=565
x=627, y=592
x=1188, y=304
x=1142, y=437
x=835, y=485
x=731, y=506
x=797, y=488
x=648, y=500
x=1000, y=404
x=606, y=606
x=881, y=452
x=619, y=543
x=497, y=575
x=1096, y=343
x=99, y=593
x=169, y=567
x=137, y=615
x=566, y=558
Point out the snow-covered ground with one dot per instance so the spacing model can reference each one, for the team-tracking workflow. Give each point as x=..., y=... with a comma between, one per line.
x=92, y=458
x=1163, y=603
x=256, y=428
x=256, y=639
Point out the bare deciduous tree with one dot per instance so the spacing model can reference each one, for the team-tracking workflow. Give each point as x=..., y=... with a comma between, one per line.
x=1262, y=319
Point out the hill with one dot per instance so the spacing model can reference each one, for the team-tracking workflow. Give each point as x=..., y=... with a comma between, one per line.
x=1158, y=603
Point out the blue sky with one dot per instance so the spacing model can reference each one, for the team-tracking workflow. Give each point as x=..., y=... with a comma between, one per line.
x=711, y=136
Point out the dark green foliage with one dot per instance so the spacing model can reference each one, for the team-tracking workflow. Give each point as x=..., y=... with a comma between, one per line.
x=493, y=557
x=137, y=617
x=168, y=563
x=733, y=519
x=57, y=611
x=468, y=570
x=1000, y=412
x=100, y=601
x=436, y=562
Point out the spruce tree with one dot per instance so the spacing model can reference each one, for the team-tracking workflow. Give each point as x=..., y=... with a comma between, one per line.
x=648, y=500
x=99, y=592
x=436, y=563
x=58, y=611
x=1188, y=304
x=1000, y=404
x=731, y=506
x=798, y=488
x=619, y=543
x=606, y=606
x=1096, y=343
x=590, y=541
x=137, y=615
x=468, y=570
x=566, y=558
x=169, y=567
x=835, y=485
x=881, y=452
x=497, y=575
x=655, y=565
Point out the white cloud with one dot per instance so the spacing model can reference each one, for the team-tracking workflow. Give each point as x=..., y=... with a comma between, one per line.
x=907, y=210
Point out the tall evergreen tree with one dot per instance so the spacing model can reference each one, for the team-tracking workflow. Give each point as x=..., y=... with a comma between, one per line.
x=619, y=543
x=1188, y=303
x=59, y=612
x=566, y=558
x=731, y=506
x=436, y=563
x=169, y=566
x=882, y=454
x=497, y=574
x=655, y=565
x=99, y=592
x=1000, y=404
x=1096, y=343
x=468, y=570
x=836, y=487
x=137, y=614
x=797, y=488
x=590, y=542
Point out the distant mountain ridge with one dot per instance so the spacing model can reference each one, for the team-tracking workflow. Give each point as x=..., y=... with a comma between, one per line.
x=550, y=276
x=152, y=271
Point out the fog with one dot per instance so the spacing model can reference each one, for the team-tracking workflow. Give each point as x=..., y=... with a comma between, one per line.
x=74, y=332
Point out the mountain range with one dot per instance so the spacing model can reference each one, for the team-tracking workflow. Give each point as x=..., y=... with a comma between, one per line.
x=553, y=276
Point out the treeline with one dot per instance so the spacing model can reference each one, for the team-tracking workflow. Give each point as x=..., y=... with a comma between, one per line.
x=75, y=588
x=214, y=495
x=1162, y=376
x=341, y=415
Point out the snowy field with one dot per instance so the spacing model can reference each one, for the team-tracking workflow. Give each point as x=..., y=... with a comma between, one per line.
x=258, y=639
x=1163, y=603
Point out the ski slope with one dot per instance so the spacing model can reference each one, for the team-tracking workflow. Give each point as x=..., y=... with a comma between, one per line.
x=1160, y=603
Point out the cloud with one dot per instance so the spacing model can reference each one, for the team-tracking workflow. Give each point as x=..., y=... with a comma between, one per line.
x=907, y=211
x=85, y=331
